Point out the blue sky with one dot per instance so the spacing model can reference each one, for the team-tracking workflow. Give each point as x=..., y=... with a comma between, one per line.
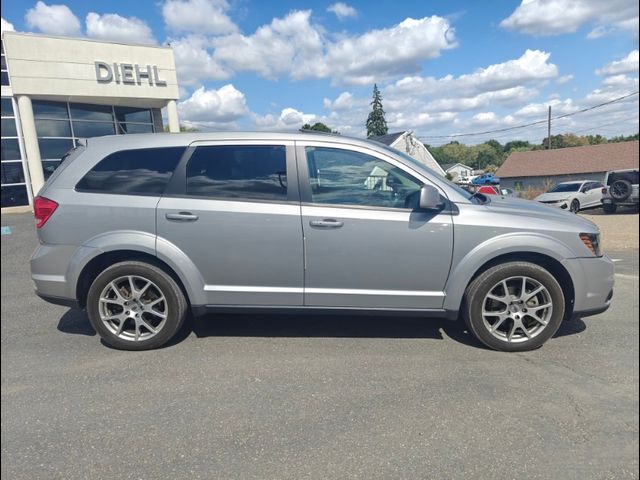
x=444, y=67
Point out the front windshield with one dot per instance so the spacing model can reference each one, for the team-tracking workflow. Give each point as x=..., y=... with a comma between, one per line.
x=565, y=187
x=412, y=161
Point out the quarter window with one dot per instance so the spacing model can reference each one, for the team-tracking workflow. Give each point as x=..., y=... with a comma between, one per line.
x=238, y=172
x=345, y=177
x=133, y=172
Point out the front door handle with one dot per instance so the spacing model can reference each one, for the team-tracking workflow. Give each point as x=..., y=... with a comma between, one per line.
x=326, y=223
x=181, y=217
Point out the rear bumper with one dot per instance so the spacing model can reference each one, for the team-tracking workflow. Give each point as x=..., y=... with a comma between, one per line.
x=593, y=282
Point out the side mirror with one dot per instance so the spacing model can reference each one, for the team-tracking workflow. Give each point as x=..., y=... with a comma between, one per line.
x=429, y=198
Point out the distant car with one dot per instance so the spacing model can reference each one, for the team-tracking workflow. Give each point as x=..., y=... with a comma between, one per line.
x=488, y=190
x=621, y=189
x=574, y=196
x=508, y=192
x=486, y=179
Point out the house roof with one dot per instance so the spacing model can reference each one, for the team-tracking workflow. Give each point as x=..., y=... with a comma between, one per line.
x=387, y=139
x=571, y=161
x=447, y=166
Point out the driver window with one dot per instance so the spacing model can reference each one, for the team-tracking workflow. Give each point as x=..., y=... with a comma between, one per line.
x=345, y=177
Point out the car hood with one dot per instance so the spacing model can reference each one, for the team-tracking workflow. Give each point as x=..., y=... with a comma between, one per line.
x=539, y=212
x=553, y=196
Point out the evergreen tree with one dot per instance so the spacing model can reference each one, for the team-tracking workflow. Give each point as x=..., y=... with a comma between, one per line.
x=376, y=124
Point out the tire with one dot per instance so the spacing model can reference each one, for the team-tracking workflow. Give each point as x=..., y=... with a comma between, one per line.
x=574, y=207
x=145, y=320
x=620, y=190
x=507, y=334
x=609, y=208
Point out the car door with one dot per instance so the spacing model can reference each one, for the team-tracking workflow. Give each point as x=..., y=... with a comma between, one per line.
x=592, y=194
x=366, y=243
x=233, y=208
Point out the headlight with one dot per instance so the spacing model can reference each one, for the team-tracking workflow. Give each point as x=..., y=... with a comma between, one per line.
x=592, y=242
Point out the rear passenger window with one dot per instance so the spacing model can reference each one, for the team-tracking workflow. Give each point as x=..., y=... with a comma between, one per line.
x=238, y=171
x=138, y=172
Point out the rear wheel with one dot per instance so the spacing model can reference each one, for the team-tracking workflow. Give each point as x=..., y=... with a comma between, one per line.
x=515, y=306
x=135, y=306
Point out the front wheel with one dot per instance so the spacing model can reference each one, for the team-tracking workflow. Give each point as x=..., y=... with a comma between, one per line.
x=575, y=206
x=135, y=306
x=514, y=306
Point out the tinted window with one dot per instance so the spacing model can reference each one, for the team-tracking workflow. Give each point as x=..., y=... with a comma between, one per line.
x=44, y=109
x=53, y=128
x=238, y=171
x=10, y=149
x=7, y=107
x=143, y=171
x=93, y=129
x=135, y=127
x=129, y=114
x=345, y=177
x=566, y=187
x=4, y=80
x=14, y=196
x=54, y=147
x=80, y=111
x=12, y=172
x=9, y=127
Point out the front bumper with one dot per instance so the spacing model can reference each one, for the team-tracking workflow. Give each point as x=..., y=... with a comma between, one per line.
x=593, y=281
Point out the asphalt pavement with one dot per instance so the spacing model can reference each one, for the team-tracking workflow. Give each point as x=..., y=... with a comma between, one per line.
x=268, y=397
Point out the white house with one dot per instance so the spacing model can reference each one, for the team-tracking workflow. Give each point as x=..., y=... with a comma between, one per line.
x=408, y=143
x=457, y=170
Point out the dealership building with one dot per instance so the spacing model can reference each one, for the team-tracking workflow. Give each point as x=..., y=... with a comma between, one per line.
x=57, y=91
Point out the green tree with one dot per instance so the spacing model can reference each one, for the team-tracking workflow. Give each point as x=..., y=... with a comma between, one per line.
x=376, y=123
x=319, y=127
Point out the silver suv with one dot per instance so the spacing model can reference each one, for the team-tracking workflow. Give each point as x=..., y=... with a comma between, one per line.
x=140, y=229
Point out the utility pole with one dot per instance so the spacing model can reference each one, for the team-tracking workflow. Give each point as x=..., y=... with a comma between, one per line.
x=549, y=129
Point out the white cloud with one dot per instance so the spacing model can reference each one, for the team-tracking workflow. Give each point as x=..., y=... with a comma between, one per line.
x=382, y=54
x=194, y=62
x=289, y=45
x=554, y=17
x=484, y=118
x=53, y=19
x=558, y=107
x=198, y=16
x=532, y=66
x=508, y=97
x=111, y=26
x=7, y=26
x=620, y=81
x=294, y=46
x=342, y=10
x=626, y=65
x=225, y=105
x=564, y=79
x=289, y=119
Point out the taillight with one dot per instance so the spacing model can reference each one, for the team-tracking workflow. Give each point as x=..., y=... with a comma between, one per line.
x=43, y=208
x=604, y=190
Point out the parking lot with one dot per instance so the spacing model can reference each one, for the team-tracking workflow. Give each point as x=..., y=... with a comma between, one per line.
x=317, y=397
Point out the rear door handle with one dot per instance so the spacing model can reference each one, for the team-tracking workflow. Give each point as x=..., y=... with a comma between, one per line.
x=181, y=217
x=326, y=223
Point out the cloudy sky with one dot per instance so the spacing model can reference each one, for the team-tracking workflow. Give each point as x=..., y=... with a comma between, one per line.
x=444, y=67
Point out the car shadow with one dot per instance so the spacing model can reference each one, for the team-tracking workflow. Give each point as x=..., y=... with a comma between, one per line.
x=76, y=322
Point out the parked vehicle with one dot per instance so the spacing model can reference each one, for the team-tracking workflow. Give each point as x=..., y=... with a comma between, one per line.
x=621, y=189
x=573, y=196
x=488, y=190
x=486, y=179
x=138, y=229
x=508, y=192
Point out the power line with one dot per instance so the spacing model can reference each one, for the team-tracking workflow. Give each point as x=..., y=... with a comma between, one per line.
x=539, y=122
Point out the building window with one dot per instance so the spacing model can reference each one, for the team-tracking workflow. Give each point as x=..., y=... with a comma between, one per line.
x=59, y=125
x=14, y=186
x=4, y=74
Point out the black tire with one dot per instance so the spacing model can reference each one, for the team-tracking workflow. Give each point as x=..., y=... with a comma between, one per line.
x=482, y=285
x=176, y=304
x=609, y=208
x=575, y=206
x=620, y=190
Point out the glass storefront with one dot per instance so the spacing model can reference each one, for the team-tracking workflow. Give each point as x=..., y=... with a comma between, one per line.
x=59, y=125
x=14, y=185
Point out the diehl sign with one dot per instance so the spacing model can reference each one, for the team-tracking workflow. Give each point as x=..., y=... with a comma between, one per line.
x=128, y=74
